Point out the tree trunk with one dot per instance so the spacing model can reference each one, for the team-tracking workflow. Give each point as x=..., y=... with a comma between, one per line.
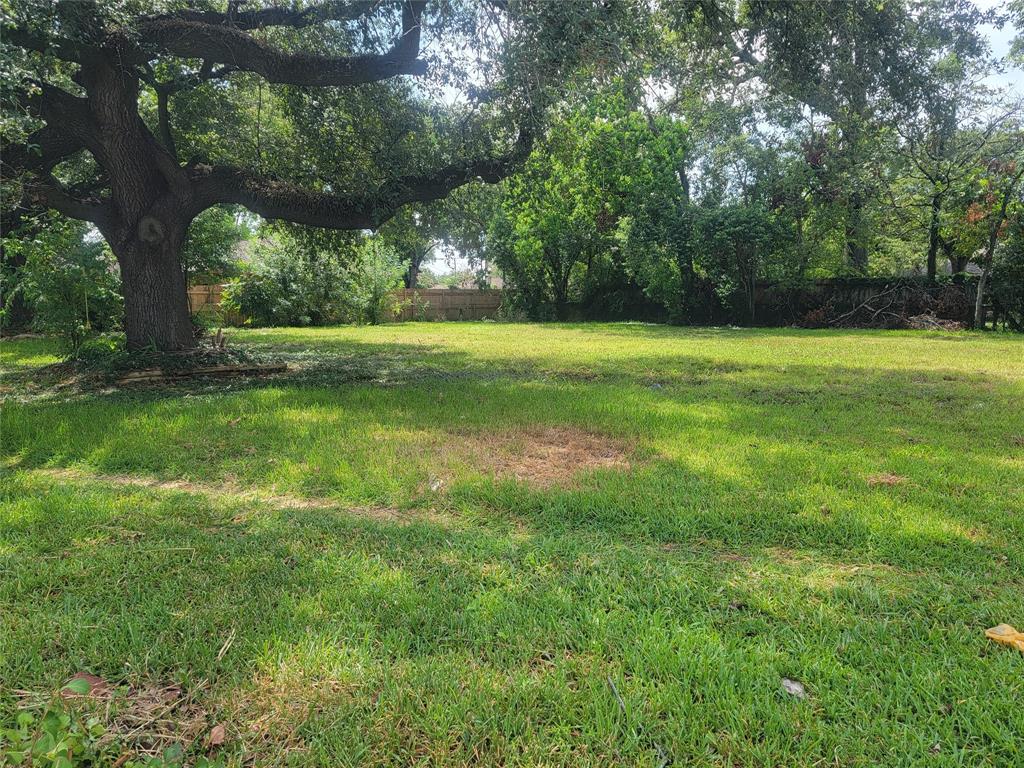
x=957, y=264
x=979, y=300
x=561, y=287
x=412, y=273
x=990, y=249
x=856, y=250
x=156, y=312
x=933, y=236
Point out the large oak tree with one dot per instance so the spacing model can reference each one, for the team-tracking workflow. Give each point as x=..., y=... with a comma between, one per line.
x=92, y=126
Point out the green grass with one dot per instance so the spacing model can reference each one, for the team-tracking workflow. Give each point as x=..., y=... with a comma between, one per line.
x=438, y=614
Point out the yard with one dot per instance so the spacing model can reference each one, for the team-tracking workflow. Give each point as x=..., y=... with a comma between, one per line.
x=496, y=544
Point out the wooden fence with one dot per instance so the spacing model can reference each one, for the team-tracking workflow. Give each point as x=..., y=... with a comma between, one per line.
x=202, y=296
x=447, y=303
x=418, y=304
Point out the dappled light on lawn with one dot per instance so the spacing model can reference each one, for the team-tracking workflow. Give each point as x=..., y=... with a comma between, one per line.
x=533, y=544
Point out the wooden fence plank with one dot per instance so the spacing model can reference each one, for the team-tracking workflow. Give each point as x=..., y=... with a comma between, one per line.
x=416, y=304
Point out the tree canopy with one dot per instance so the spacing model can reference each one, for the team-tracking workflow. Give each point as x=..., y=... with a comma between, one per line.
x=639, y=140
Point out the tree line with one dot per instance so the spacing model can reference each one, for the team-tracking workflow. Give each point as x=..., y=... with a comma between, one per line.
x=597, y=153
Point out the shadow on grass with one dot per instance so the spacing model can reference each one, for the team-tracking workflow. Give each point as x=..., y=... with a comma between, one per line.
x=851, y=527
x=470, y=640
x=744, y=455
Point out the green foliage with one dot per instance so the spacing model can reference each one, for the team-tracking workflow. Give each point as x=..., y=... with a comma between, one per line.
x=1007, y=282
x=291, y=282
x=305, y=278
x=209, y=250
x=63, y=736
x=603, y=211
x=369, y=279
x=558, y=235
x=56, y=737
x=70, y=282
x=734, y=243
x=851, y=138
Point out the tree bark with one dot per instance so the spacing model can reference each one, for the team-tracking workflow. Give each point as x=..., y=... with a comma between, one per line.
x=412, y=275
x=957, y=263
x=156, y=312
x=856, y=250
x=979, y=300
x=933, y=236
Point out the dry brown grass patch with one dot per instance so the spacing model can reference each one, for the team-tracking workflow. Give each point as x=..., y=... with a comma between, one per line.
x=142, y=720
x=546, y=456
x=269, y=713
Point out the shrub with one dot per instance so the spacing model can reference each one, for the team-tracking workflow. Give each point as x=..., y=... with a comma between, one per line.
x=291, y=283
x=71, y=283
x=287, y=285
x=733, y=244
x=369, y=281
x=1008, y=277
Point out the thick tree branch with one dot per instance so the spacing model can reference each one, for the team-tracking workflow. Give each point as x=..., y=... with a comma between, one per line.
x=280, y=200
x=42, y=150
x=65, y=115
x=228, y=44
x=335, y=10
x=61, y=48
x=44, y=190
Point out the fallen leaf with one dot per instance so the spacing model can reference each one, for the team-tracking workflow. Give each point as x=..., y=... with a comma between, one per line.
x=1006, y=635
x=171, y=693
x=794, y=688
x=84, y=684
x=217, y=736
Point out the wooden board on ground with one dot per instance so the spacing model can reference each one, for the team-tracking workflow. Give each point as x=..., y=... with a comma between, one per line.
x=159, y=374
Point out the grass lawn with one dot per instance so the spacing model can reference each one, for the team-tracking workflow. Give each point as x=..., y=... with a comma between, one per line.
x=572, y=545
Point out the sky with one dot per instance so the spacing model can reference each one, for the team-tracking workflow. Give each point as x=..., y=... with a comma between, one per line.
x=999, y=39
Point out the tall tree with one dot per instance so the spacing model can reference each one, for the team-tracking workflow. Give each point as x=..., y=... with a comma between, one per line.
x=105, y=79
x=848, y=61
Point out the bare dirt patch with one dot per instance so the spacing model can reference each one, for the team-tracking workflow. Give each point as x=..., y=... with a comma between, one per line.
x=548, y=456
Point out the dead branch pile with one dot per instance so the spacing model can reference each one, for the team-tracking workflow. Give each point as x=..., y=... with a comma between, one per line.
x=898, y=305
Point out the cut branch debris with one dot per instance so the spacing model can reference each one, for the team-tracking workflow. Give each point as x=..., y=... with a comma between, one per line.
x=151, y=375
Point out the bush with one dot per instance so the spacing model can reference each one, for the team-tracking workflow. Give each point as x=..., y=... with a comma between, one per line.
x=287, y=285
x=1008, y=278
x=102, y=352
x=733, y=244
x=71, y=283
x=370, y=279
